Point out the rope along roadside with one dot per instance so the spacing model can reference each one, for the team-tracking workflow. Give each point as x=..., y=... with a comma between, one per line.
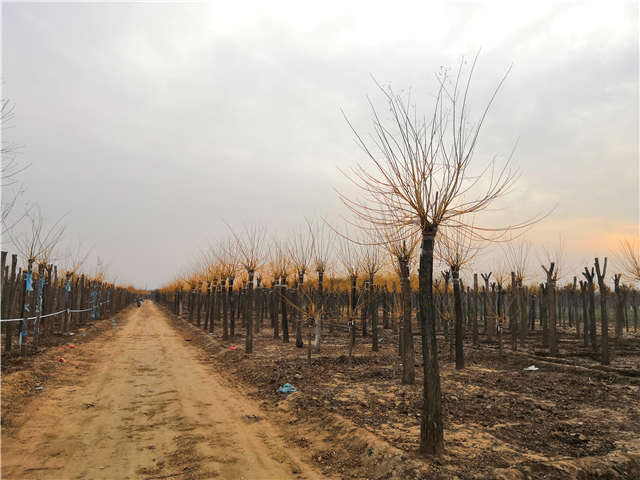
x=52, y=314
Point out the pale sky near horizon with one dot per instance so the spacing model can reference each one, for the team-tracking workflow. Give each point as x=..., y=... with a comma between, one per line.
x=147, y=125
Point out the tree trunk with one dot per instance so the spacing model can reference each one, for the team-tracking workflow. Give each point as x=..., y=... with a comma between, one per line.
x=299, y=316
x=373, y=313
x=11, y=303
x=474, y=328
x=406, y=335
x=250, y=314
x=551, y=310
x=283, y=308
x=320, y=310
x=619, y=308
x=603, y=311
x=457, y=300
x=232, y=308
x=431, y=425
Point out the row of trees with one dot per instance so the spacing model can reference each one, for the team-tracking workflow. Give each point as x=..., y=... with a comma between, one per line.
x=214, y=292
x=279, y=284
x=39, y=301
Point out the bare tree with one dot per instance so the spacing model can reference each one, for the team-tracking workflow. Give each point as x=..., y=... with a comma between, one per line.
x=251, y=243
x=421, y=169
x=350, y=261
x=229, y=261
x=401, y=246
x=280, y=266
x=457, y=249
x=371, y=261
x=517, y=257
x=301, y=248
x=38, y=241
x=322, y=240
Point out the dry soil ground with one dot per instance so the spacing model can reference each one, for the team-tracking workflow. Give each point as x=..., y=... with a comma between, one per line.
x=137, y=403
x=160, y=398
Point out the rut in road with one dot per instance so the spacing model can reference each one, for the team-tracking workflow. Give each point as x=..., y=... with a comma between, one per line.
x=148, y=409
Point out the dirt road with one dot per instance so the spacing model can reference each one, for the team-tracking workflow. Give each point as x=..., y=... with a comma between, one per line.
x=147, y=408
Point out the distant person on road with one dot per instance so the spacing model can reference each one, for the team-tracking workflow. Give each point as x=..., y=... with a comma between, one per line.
x=139, y=302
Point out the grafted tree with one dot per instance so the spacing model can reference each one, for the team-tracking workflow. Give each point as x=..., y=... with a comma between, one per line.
x=517, y=255
x=422, y=169
x=456, y=249
x=251, y=247
x=301, y=249
x=401, y=245
x=371, y=261
x=350, y=262
x=280, y=265
x=322, y=240
x=228, y=259
x=589, y=275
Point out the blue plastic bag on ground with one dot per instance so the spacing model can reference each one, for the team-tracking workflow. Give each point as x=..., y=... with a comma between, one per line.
x=287, y=388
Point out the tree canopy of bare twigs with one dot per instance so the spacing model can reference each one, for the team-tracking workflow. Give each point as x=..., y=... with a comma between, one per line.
x=251, y=246
x=517, y=257
x=456, y=249
x=349, y=256
x=629, y=259
x=10, y=169
x=323, y=240
x=301, y=250
x=38, y=241
x=419, y=172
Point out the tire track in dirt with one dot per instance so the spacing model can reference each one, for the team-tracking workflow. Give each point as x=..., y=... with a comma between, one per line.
x=147, y=409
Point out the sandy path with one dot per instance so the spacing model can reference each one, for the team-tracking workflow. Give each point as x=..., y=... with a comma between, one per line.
x=147, y=409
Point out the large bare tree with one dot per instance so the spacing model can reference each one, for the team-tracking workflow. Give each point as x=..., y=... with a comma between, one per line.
x=422, y=169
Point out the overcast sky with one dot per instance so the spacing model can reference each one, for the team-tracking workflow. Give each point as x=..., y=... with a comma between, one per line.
x=148, y=124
